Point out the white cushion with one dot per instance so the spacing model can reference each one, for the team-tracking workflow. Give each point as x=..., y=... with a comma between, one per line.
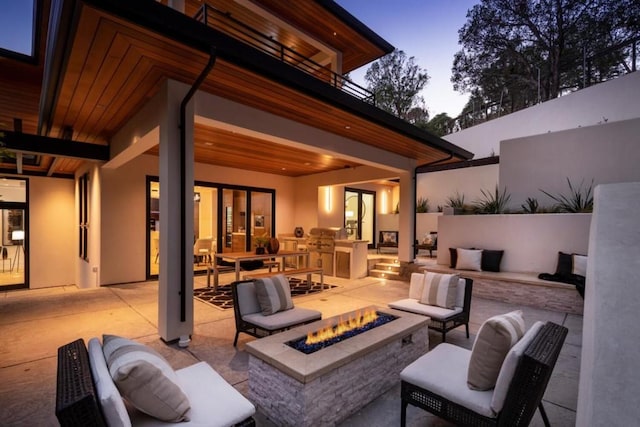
x=509, y=367
x=416, y=285
x=145, y=379
x=283, y=319
x=494, y=340
x=579, y=265
x=274, y=294
x=414, y=306
x=469, y=259
x=111, y=402
x=443, y=371
x=214, y=402
x=440, y=289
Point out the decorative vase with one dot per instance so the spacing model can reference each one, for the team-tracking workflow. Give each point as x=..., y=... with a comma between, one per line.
x=298, y=232
x=273, y=246
x=259, y=250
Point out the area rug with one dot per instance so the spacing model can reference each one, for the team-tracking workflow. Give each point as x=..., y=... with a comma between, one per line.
x=224, y=300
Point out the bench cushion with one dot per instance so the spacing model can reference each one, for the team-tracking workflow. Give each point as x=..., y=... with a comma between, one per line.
x=115, y=413
x=414, y=306
x=145, y=379
x=283, y=319
x=274, y=294
x=494, y=340
x=214, y=402
x=443, y=371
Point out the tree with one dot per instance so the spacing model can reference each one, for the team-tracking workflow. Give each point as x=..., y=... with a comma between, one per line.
x=519, y=52
x=441, y=124
x=396, y=82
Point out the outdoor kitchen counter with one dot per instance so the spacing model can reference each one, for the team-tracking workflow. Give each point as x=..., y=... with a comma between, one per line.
x=351, y=258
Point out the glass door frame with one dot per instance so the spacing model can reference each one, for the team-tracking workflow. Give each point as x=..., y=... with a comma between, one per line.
x=359, y=214
x=24, y=206
x=220, y=214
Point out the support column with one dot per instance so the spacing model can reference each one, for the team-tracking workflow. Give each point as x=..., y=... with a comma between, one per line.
x=407, y=208
x=609, y=374
x=170, y=325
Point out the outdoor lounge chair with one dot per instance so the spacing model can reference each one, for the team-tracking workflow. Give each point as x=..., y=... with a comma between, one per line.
x=442, y=320
x=437, y=382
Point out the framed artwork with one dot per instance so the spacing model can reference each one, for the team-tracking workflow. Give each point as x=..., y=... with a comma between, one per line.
x=258, y=220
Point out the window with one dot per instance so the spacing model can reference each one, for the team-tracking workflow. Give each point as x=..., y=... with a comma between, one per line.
x=83, y=207
x=17, y=29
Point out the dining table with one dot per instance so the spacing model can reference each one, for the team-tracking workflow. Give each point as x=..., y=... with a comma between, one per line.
x=238, y=257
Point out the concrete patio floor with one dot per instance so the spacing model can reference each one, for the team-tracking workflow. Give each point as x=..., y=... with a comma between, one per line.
x=34, y=323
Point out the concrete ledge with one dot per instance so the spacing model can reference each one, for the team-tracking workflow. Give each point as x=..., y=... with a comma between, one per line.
x=520, y=288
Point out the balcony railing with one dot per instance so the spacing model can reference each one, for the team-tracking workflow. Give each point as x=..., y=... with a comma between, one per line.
x=224, y=22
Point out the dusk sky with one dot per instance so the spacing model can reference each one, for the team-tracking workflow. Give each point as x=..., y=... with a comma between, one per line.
x=15, y=25
x=426, y=30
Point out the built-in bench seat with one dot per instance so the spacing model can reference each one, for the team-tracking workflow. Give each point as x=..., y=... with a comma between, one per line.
x=520, y=288
x=307, y=271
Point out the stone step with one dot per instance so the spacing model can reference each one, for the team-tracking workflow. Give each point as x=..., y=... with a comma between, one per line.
x=387, y=265
x=385, y=274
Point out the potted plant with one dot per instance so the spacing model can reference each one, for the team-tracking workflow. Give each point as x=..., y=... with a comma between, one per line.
x=261, y=243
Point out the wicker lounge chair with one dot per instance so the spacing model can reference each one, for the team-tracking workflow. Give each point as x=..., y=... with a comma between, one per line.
x=436, y=382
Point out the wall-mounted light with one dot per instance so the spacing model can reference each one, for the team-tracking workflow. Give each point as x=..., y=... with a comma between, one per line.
x=385, y=203
x=327, y=199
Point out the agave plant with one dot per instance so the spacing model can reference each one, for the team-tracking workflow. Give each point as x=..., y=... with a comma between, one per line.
x=422, y=205
x=492, y=202
x=578, y=200
x=456, y=201
x=530, y=205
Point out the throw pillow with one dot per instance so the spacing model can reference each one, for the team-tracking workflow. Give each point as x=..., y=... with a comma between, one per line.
x=453, y=257
x=469, y=259
x=274, y=294
x=579, y=265
x=563, y=269
x=440, y=290
x=145, y=379
x=110, y=399
x=491, y=260
x=494, y=340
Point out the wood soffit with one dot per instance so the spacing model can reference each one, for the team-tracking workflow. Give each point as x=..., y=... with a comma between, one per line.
x=114, y=67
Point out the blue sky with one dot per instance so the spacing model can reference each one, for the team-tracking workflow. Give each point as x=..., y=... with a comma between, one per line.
x=16, y=22
x=426, y=30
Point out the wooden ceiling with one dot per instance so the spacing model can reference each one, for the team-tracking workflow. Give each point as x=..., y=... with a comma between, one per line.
x=115, y=66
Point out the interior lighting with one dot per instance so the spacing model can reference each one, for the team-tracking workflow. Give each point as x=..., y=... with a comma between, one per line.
x=327, y=199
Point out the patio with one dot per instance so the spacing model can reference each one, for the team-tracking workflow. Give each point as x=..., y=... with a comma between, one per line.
x=35, y=322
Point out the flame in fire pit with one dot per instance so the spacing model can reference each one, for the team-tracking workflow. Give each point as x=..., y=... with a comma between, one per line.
x=359, y=320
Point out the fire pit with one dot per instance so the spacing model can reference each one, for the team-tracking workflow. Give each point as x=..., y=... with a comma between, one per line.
x=331, y=383
x=345, y=329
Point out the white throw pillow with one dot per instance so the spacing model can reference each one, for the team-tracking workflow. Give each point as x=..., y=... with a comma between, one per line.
x=579, y=265
x=145, y=379
x=440, y=290
x=494, y=340
x=416, y=285
x=469, y=259
x=274, y=294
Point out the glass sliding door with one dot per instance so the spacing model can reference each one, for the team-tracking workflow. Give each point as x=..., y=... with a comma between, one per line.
x=224, y=220
x=14, y=245
x=359, y=214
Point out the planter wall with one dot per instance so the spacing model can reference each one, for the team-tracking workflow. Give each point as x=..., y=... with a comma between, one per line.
x=531, y=242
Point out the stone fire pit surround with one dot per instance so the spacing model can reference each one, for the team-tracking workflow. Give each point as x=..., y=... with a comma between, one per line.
x=325, y=387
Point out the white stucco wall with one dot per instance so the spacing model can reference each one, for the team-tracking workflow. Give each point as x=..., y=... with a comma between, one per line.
x=606, y=153
x=530, y=242
x=439, y=186
x=53, y=245
x=610, y=101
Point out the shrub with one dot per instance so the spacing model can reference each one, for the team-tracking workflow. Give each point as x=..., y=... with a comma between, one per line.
x=492, y=202
x=422, y=205
x=530, y=206
x=578, y=200
x=456, y=201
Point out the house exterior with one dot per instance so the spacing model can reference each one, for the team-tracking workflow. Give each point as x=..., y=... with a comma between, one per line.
x=237, y=112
